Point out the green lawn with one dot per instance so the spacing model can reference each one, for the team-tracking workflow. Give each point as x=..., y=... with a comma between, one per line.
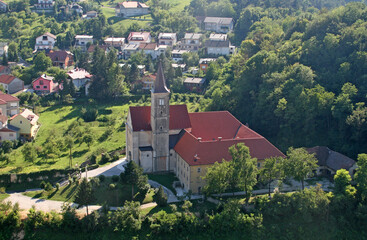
x=3, y=196
x=164, y=179
x=102, y=194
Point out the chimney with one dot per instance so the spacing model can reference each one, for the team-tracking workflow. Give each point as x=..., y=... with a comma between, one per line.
x=219, y=138
x=199, y=139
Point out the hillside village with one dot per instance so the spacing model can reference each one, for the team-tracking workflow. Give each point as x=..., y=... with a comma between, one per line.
x=160, y=118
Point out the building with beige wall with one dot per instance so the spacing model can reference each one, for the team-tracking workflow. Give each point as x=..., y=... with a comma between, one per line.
x=9, y=105
x=27, y=122
x=166, y=138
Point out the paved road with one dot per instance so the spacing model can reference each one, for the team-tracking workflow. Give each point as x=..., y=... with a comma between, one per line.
x=114, y=168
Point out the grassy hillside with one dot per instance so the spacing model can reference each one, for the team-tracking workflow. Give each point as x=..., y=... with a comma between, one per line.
x=108, y=132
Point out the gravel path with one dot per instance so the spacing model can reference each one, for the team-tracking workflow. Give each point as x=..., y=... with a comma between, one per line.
x=114, y=168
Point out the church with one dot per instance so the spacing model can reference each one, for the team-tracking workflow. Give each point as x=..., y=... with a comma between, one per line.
x=166, y=138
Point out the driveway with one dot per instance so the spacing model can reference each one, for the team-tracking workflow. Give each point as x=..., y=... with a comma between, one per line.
x=114, y=168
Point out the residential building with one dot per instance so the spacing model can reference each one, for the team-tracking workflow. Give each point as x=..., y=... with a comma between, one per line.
x=194, y=84
x=45, y=41
x=115, y=42
x=139, y=37
x=190, y=42
x=90, y=15
x=8, y=132
x=4, y=48
x=129, y=49
x=75, y=8
x=11, y=84
x=80, y=77
x=219, y=44
x=27, y=122
x=4, y=70
x=182, y=66
x=93, y=47
x=169, y=39
x=166, y=138
x=218, y=24
x=3, y=6
x=82, y=41
x=131, y=9
x=45, y=85
x=148, y=81
x=330, y=161
x=204, y=63
x=177, y=55
x=9, y=105
x=44, y=5
x=62, y=58
x=148, y=49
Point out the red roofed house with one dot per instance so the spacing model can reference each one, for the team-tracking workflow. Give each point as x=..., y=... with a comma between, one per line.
x=62, y=59
x=139, y=37
x=130, y=9
x=11, y=84
x=45, y=85
x=9, y=105
x=163, y=137
x=4, y=70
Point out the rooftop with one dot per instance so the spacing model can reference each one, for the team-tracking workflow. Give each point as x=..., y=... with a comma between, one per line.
x=218, y=20
x=193, y=80
x=4, y=98
x=78, y=73
x=6, y=79
x=133, y=5
x=83, y=37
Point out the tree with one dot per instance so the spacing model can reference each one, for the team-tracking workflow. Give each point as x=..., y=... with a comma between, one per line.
x=244, y=173
x=5, y=158
x=160, y=197
x=5, y=60
x=300, y=164
x=342, y=181
x=272, y=170
x=13, y=52
x=88, y=139
x=69, y=142
x=41, y=62
x=132, y=174
x=29, y=153
x=217, y=178
x=361, y=176
x=84, y=195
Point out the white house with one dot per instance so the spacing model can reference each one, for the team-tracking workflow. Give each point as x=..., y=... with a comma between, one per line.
x=3, y=6
x=4, y=48
x=130, y=9
x=129, y=49
x=90, y=15
x=169, y=39
x=191, y=42
x=45, y=41
x=82, y=40
x=44, y=4
x=218, y=25
x=219, y=44
x=177, y=55
x=115, y=42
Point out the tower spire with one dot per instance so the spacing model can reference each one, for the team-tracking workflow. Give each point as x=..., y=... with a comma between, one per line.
x=160, y=81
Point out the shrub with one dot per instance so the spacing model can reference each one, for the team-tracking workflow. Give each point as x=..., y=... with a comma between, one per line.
x=105, y=158
x=112, y=186
x=48, y=187
x=89, y=114
x=93, y=159
x=160, y=197
x=115, y=178
x=43, y=185
x=57, y=186
x=102, y=178
x=2, y=190
x=95, y=181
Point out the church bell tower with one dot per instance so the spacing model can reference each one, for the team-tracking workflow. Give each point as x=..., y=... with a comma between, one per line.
x=159, y=115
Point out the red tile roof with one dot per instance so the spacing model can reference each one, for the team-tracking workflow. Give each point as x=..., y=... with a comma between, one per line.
x=2, y=68
x=147, y=46
x=8, y=98
x=196, y=152
x=218, y=131
x=140, y=118
x=59, y=55
x=6, y=79
x=209, y=125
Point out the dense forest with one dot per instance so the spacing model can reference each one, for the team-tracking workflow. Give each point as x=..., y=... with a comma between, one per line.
x=299, y=77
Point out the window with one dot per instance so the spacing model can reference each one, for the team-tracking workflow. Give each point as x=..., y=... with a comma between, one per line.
x=44, y=86
x=38, y=87
x=199, y=189
x=11, y=134
x=258, y=164
x=41, y=82
x=199, y=169
x=161, y=102
x=44, y=37
x=20, y=122
x=147, y=155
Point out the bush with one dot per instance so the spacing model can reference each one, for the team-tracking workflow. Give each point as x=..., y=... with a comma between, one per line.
x=102, y=178
x=43, y=185
x=93, y=159
x=48, y=187
x=105, y=158
x=95, y=181
x=112, y=186
x=115, y=178
x=160, y=197
x=57, y=186
x=2, y=190
x=89, y=114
